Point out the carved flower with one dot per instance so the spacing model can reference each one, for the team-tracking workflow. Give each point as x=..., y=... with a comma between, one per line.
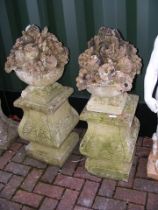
x=37, y=52
x=109, y=60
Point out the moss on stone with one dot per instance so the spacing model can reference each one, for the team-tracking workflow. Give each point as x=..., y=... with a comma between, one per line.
x=51, y=155
x=109, y=143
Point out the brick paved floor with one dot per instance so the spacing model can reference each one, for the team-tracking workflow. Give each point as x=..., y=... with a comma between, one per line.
x=28, y=184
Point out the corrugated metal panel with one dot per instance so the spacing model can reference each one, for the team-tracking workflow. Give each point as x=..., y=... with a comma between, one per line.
x=74, y=22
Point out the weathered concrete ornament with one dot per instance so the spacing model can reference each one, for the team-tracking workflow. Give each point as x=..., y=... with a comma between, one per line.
x=150, y=83
x=8, y=131
x=108, y=67
x=108, y=61
x=38, y=58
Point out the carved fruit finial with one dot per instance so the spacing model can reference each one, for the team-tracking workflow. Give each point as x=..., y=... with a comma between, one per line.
x=108, y=61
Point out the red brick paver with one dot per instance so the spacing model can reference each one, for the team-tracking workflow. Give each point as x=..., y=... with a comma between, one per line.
x=102, y=203
x=88, y=193
x=70, y=165
x=69, y=182
x=20, y=155
x=11, y=187
x=17, y=168
x=34, y=163
x=107, y=188
x=27, y=208
x=142, y=151
x=49, y=203
x=1, y=186
x=50, y=174
x=29, y=184
x=68, y=200
x=4, y=176
x=5, y=158
x=49, y=190
x=142, y=168
x=83, y=173
x=15, y=146
x=9, y=205
x=81, y=208
x=152, y=203
x=129, y=195
x=31, y=179
x=146, y=185
x=135, y=207
x=27, y=198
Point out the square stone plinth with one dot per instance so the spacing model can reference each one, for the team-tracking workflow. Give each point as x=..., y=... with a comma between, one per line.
x=124, y=119
x=50, y=128
x=50, y=121
x=109, y=142
x=109, y=169
x=54, y=156
x=111, y=105
x=47, y=122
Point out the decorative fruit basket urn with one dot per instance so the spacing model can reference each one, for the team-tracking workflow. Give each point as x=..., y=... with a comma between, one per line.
x=107, y=70
x=38, y=59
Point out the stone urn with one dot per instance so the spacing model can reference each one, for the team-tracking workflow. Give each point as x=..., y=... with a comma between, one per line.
x=103, y=91
x=46, y=79
x=107, y=69
x=106, y=99
x=38, y=59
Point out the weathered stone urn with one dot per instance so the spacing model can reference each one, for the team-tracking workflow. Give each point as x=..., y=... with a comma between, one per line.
x=38, y=59
x=107, y=69
x=8, y=131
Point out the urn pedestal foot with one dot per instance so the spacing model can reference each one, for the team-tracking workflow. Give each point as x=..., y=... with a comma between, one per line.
x=117, y=166
x=53, y=156
x=109, y=142
x=110, y=105
x=48, y=122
